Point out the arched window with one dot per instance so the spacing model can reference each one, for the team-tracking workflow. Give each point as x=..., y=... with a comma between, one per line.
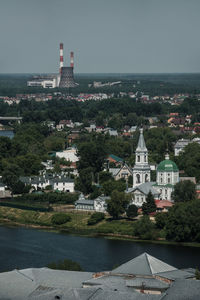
x=145, y=158
x=146, y=178
x=169, y=179
x=138, y=158
x=137, y=178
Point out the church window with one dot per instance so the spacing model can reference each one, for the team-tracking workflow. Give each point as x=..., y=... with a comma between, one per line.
x=138, y=158
x=137, y=178
x=165, y=191
x=146, y=178
x=169, y=180
x=145, y=158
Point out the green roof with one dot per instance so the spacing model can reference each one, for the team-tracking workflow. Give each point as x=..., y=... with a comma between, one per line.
x=167, y=165
x=116, y=158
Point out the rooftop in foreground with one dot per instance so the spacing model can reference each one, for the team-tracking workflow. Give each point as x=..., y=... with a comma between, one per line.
x=144, y=277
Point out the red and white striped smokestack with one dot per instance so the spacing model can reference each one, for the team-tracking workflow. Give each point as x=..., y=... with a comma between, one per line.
x=71, y=59
x=61, y=56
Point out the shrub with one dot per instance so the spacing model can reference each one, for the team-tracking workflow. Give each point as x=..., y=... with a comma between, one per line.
x=60, y=218
x=66, y=264
x=96, y=218
x=132, y=211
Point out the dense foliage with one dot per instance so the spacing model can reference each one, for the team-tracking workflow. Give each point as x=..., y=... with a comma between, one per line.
x=149, y=206
x=184, y=191
x=96, y=218
x=145, y=229
x=66, y=264
x=117, y=204
x=60, y=218
x=132, y=211
x=52, y=197
x=183, y=222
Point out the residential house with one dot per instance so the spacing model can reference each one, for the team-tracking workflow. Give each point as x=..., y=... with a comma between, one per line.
x=57, y=182
x=70, y=154
x=124, y=172
x=99, y=204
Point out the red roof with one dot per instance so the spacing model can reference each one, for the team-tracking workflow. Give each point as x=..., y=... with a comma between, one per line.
x=163, y=203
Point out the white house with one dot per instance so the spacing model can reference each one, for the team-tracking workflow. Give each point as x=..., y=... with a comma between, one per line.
x=69, y=154
x=57, y=182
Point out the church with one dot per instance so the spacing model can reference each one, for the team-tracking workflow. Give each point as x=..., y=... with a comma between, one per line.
x=167, y=175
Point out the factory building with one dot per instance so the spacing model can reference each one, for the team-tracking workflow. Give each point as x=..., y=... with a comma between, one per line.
x=43, y=82
x=65, y=78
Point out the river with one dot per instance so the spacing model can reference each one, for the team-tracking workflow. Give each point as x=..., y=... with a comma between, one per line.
x=26, y=248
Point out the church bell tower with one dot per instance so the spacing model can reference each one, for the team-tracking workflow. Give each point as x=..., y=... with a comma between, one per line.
x=141, y=170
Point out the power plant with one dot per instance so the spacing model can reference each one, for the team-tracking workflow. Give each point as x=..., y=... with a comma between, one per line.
x=65, y=78
x=66, y=73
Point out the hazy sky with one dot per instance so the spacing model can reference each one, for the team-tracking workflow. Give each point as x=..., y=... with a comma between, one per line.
x=123, y=36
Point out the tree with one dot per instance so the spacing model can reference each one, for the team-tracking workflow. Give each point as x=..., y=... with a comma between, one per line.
x=92, y=155
x=184, y=191
x=144, y=228
x=117, y=204
x=161, y=220
x=111, y=185
x=197, y=274
x=132, y=211
x=183, y=222
x=189, y=160
x=149, y=206
x=66, y=264
x=83, y=183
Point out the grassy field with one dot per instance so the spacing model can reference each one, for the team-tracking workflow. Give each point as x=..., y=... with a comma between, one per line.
x=78, y=223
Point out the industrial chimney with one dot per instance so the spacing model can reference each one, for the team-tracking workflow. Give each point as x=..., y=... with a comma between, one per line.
x=71, y=59
x=66, y=73
x=61, y=56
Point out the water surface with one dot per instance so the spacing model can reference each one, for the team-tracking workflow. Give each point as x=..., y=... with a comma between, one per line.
x=26, y=248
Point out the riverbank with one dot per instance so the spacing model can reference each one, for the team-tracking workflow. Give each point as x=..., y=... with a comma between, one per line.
x=118, y=230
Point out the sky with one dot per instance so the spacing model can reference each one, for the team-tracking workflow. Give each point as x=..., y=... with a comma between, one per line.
x=107, y=36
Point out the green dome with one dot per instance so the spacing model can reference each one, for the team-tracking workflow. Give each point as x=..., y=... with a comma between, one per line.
x=167, y=165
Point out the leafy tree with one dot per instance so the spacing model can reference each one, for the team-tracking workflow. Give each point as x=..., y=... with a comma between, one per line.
x=92, y=155
x=104, y=176
x=66, y=264
x=132, y=211
x=149, y=206
x=161, y=220
x=184, y=191
x=111, y=185
x=144, y=228
x=83, y=183
x=183, y=222
x=117, y=204
x=189, y=160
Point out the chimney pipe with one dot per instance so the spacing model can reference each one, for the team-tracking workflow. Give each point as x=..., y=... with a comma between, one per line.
x=71, y=59
x=61, y=56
